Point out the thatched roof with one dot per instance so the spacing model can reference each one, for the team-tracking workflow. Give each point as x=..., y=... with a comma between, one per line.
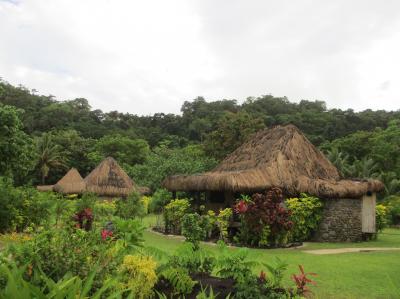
x=44, y=188
x=110, y=180
x=71, y=183
x=279, y=157
x=144, y=190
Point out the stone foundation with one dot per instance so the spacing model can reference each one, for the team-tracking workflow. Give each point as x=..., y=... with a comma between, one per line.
x=341, y=221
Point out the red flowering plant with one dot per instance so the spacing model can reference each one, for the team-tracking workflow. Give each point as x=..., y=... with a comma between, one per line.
x=105, y=234
x=84, y=219
x=264, y=214
x=302, y=281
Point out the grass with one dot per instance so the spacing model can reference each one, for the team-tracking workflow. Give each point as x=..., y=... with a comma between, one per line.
x=346, y=275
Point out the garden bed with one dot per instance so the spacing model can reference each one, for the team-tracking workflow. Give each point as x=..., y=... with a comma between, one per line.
x=221, y=287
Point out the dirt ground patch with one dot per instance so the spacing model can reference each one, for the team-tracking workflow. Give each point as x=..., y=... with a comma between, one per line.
x=347, y=250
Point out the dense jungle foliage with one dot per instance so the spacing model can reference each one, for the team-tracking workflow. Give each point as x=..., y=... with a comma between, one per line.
x=42, y=137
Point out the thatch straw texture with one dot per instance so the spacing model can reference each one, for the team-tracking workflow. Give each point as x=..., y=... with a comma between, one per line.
x=110, y=180
x=44, y=188
x=71, y=183
x=279, y=157
x=144, y=190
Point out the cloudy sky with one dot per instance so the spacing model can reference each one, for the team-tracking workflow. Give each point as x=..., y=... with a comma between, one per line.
x=149, y=56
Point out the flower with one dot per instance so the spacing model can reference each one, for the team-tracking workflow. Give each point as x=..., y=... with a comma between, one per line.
x=241, y=207
x=105, y=234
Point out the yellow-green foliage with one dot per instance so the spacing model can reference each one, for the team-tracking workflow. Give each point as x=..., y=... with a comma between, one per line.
x=146, y=201
x=223, y=222
x=381, y=217
x=105, y=208
x=138, y=275
x=173, y=213
x=305, y=213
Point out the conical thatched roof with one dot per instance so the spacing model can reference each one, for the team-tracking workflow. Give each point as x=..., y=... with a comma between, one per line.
x=109, y=179
x=278, y=157
x=71, y=183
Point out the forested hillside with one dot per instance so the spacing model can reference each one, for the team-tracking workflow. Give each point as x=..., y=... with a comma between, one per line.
x=42, y=137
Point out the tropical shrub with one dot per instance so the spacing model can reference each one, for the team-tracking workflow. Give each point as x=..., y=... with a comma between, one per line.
x=16, y=284
x=138, y=276
x=146, y=202
x=223, y=219
x=173, y=214
x=381, y=217
x=179, y=279
x=393, y=205
x=302, y=282
x=88, y=201
x=22, y=207
x=192, y=229
x=195, y=261
x=105, y=209
x=159, y=199
x=306, y=212
x=130, y=231
x=130, y=207
x=209, y=223
x=264, y=219
x=84, y=219
x=58, y=251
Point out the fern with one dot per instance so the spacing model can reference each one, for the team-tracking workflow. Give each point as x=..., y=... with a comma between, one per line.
x=180, y=280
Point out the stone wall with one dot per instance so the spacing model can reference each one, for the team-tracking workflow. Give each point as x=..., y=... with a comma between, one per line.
x=341, y=221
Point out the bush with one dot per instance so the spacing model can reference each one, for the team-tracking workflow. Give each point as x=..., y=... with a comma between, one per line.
x=105, y=209
x=306, y=214
x=393, y=205
x=22, y=207
x=381, y=217
x=138, y=275
x=130, y=207
x=88, y=201
x=223, y=219
x=173, y=214
x=265, y=220
x=58, y=251
x=146, y=202
x=192, y=229
x=159, y=199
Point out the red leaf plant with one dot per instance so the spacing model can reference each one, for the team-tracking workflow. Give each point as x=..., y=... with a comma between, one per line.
x=267, y=209
x=241, y=207
x=84, y=219
x=302, y=281
x=263, y=277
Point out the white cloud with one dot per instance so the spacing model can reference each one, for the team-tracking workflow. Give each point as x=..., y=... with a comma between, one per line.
x=150, y=56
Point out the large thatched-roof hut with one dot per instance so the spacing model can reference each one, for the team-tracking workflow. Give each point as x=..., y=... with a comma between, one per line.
x=283, y=157
x=70, y=183
x=108, y=179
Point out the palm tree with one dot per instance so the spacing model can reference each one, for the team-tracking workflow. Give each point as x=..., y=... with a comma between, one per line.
x=340, y=160
x=50, y=156
x=365, y=168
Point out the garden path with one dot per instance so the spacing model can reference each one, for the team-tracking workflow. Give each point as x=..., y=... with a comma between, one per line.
x=347, y=250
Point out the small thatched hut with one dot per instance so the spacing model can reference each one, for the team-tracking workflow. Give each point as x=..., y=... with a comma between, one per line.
x=283, y=157
x=108, y=179
x=70, y=183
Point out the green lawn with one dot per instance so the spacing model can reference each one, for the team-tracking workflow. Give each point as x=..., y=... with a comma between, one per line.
x=346, y=275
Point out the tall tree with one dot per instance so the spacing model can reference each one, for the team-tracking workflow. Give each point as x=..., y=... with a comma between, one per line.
x=51, y=156
x=17, y=154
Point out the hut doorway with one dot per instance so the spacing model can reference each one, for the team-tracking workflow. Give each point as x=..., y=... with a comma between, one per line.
x=368, y=213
